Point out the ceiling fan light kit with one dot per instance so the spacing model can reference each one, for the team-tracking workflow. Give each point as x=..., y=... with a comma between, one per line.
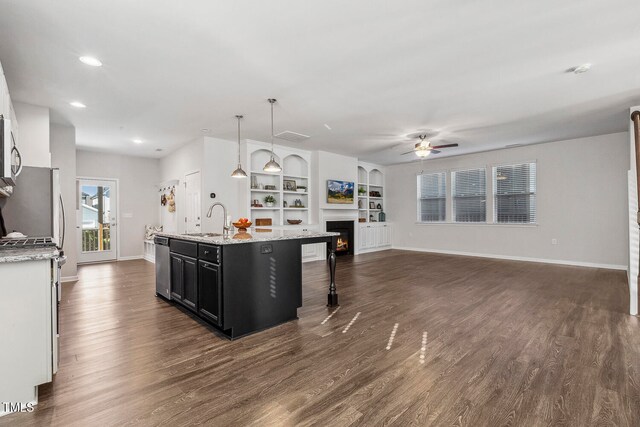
x=424, y=148
x=272, y=165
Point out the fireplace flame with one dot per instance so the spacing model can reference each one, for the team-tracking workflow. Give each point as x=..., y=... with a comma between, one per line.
x=343, y=244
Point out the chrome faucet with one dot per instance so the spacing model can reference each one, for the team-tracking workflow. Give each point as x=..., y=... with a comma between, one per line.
x=226, y=227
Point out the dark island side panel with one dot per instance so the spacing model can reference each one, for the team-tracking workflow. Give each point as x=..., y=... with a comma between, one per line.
x=262, y=284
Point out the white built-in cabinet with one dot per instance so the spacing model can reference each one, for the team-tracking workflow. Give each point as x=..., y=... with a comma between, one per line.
x=374, y=236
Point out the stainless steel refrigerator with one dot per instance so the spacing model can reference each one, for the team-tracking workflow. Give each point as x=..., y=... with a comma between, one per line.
x=36, y=208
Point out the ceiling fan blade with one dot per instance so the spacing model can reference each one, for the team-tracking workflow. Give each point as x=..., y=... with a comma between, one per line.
x=435, y=151
x=445, y=146
x=408, y=152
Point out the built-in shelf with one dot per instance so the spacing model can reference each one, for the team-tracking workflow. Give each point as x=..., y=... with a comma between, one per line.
x=370, y=178
x=295, y=167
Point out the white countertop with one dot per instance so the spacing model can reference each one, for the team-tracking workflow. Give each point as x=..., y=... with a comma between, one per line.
x=28, y=254
x=257, y=235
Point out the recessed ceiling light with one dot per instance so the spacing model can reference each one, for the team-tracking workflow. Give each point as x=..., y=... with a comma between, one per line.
x=77, y=104
x=158, y=149
x=327, y=126
x=90, y=60
x=137, y=141
x=581, y=68
x=204, y=130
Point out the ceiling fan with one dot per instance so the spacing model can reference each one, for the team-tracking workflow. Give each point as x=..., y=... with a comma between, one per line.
x=424, y=147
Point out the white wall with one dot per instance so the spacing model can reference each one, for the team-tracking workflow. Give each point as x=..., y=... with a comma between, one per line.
x=63, y=157
x=582, y=202
x=215, y=159
x=33, y=139
x=174, y=166
x=138, y=196
x=221, y=158
x=334, y=166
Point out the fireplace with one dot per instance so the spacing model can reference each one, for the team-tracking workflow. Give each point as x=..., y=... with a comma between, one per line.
x=346, y=241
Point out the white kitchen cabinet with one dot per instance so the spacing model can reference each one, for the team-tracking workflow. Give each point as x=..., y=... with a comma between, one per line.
x=27, y=301
x=374, y=237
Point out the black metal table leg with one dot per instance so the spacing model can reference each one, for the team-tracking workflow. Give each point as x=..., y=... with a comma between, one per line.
x=333, y=295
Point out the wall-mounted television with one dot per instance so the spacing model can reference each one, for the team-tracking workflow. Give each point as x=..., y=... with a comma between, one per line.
x=340, y=192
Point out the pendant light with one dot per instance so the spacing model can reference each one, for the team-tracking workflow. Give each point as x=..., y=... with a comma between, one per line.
x=239, y=173
x=272, y=165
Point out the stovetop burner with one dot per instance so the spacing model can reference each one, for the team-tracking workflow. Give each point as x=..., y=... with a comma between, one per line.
x=26, y=242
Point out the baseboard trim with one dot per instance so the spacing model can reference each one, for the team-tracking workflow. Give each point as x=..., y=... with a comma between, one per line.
x=370, y=250
x=130, y=258
x=517, y=258
x=65, y=279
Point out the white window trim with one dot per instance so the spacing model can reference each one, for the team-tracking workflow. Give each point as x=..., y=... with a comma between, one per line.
x=493, y=196
x=446, y=196
x=486, y=205
x=490, y=215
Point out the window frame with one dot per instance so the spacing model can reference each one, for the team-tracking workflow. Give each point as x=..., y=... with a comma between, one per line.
x=453, y=172
x=419, y=198
x=494, y=183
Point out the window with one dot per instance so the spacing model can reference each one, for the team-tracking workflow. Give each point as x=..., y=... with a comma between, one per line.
x=515, y=193
x=432, y=197
x=469, y=192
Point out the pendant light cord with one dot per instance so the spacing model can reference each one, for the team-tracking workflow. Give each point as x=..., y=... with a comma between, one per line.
x=272, y=101
x=238, y=117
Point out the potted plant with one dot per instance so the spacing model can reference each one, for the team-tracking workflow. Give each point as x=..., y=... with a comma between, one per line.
x=361, y=191
x=269, y=201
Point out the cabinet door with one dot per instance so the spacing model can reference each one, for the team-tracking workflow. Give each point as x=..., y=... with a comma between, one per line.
x=190, y=282
x=372, y=237
x=209, y=292
x=361, y=238
x=364, y=236
x=176, y=277
x=383, y=235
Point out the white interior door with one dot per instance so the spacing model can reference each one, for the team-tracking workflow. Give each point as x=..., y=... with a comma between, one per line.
x=192, y=203
x=97, y=220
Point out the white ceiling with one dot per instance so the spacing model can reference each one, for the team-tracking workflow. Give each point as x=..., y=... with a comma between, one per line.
x=483, y=74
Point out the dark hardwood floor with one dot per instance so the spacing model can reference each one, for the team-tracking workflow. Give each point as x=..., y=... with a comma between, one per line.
x=507, y=343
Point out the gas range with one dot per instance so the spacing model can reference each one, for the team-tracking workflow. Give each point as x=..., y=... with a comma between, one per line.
x=26, y=243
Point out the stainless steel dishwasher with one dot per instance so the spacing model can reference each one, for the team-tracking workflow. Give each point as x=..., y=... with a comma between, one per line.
x=163, y=278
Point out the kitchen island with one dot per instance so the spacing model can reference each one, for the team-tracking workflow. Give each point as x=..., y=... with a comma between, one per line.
x=245, y=283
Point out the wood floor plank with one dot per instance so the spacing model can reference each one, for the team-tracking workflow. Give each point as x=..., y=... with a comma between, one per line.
x=508, y=343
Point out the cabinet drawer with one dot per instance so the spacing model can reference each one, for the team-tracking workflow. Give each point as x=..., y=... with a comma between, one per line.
x=209, y=253
x=184, y=248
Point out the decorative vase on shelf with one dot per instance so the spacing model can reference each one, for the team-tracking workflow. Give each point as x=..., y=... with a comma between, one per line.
x=269, y=204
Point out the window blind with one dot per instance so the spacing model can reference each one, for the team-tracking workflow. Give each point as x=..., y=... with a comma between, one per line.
x=432, y=197
x=515, y=193
x=469, y=192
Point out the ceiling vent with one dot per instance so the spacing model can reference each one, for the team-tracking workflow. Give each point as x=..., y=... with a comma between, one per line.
x=287, y=135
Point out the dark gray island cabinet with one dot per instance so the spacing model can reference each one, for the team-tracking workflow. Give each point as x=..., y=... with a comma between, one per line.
x=242, y=286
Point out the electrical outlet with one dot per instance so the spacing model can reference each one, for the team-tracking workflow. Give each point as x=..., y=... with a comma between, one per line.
x=554, y=241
